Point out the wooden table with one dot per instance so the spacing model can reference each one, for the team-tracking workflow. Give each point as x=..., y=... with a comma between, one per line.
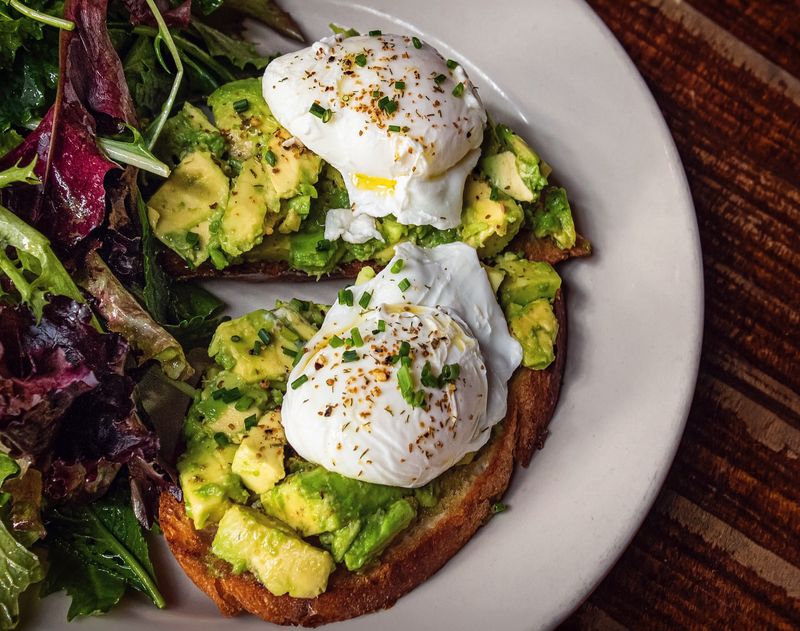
x=721, y=547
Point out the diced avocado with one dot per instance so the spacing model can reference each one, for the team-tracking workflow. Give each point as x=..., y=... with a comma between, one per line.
x=495, y=275
x=378, y=531
x=331, y=190
x=207, y=481
x=365, y=274
x=552, y=217
x=181, y=211
x=430, y=237
x=243, y=116
x=295, y=169
x=252, y=201
x=279, y=559
x=226, y=402
x=274, y=247
x=312, y=253
x=513, y=167
x=317, y=500
x=535, y=327
x=304, y=319
x=293, y=211
x=255, y=347
x=339, y=541
x=489, y=219
x=526, y=281
x=259, y=459
x=189, y=130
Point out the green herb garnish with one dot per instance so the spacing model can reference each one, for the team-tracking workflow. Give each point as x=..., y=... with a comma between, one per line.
x=299, y=382
x=250, y=422
x=416, y=41
x=346, y=297
x=458, y=90
x=320, y=112
x=270, y=157
x=404, y=284
x=349, y=356
x=363, y=302
x=361, y=60
x=397, y=266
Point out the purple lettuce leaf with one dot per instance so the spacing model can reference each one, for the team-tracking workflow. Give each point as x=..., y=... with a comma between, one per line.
x=174, y=16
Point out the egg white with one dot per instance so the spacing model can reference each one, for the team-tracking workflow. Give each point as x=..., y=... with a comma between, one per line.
x=416, y=172
x=351, y=417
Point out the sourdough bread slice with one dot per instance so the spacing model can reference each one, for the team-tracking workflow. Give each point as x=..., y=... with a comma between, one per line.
x=467, y=495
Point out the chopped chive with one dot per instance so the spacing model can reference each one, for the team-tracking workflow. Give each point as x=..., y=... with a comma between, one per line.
x=375, y=33
x=289, y=352
x=417, y=43
x=299, y=305
x=405, y=349
x=250, y=422
x=257, y=346
x=192, y=238
x=244, y=403
x=452, y=64
x=349, y=356
x=363, y=302
x=498, y=507
x=221, y=439
x=323, y=245
x=395, y=128
x=405, y=360
x=242, y=105
x=450, y=373
x=270, y=157
x=361, y=60
x=356, y=337
x=387, y=105
x=225, y=395
x=439, y=79
x=427, y=377
x=381, y=325
x=236, y=338
x=376, y=94
x=264, y=336
x=299, y=382
x=336, y=341
x=346, y=297
x=397, y=266
x=298, y=356
x=400, y=85
x=404, y=284
x=287, y=334
x=320, y=112
x=458, y=90
x=494, y=194
x=404, y=380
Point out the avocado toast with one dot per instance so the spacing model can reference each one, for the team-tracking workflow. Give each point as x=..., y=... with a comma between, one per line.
x=448, y=361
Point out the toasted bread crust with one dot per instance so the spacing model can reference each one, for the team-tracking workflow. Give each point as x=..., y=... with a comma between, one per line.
x=419, y=552
x=533, y=248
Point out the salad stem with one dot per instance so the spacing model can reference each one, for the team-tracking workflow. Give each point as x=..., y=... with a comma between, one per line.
x=44, y=18
x=137, y=156
x=163, y=31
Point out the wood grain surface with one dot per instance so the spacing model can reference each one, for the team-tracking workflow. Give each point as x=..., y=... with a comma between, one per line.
x=721, y=548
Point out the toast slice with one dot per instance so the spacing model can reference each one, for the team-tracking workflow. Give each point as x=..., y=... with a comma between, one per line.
x=464, y=506
x=534, y=249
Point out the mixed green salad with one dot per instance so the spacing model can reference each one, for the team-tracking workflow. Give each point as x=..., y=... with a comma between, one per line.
x=93, y=334
x=133, y=132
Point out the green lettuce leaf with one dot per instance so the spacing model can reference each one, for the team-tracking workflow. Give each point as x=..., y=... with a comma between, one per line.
x=238, y=52
x=99, y=550
x=19, y=567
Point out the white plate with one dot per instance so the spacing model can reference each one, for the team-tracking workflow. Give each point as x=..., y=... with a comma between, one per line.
x=552, y=71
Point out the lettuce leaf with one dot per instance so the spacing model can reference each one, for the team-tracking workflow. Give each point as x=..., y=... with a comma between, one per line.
x=97, y=552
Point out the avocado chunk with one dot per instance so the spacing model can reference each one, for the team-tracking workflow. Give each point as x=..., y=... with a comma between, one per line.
x=227, y=403
x=535, y=327
x=312, y=253
x=189, y=130
x=526, y=281
x=316, y=500
x=277, y=557
x=295, y=169
x=512, y=166
x=243, y=116
x=207, y=481
x=183, y=208
x=489, y=219
x=253, y=199
x=258, y=461
x=379, y=530
x=256, y=347
x=339, y=541
x=552, y=217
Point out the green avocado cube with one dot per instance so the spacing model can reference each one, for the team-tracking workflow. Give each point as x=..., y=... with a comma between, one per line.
x=378, y=531
x=243, y=116
x=526, y=281
x=339, y=541
x=280, y=560
x=552, y=217
x=317, y=500
x=489, y=220
x=535, y=327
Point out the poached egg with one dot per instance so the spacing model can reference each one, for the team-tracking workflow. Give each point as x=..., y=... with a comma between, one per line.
x=403, y=125
x=408, y=373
